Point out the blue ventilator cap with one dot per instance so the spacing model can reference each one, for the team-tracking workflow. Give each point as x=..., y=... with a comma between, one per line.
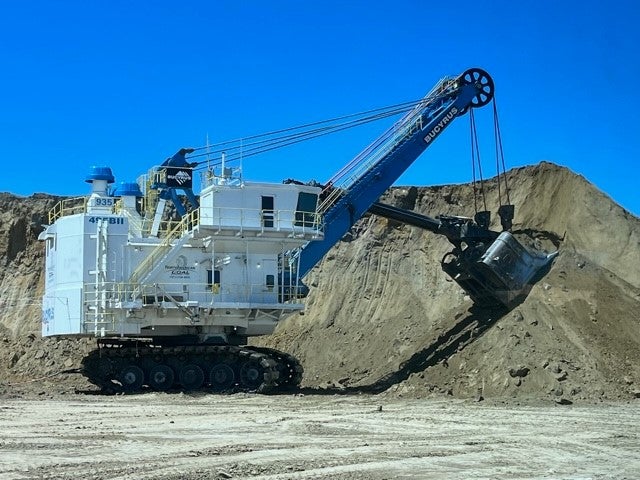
x=128, y=189
x=100, y=173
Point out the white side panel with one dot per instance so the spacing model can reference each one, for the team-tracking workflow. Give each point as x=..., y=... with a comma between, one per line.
x=264, y=277
x=233, y=280
x=62, y=312
x=181, y=276
x=233, y=207
x=72, y=266
x=69, y=263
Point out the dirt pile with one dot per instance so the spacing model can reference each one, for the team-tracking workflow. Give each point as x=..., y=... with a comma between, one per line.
x=21, y=280
x=382, y=316
x=24, y=355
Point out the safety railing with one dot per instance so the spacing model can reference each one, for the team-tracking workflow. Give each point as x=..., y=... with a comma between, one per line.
x=119, y=295
x=100, y=323
x=190, y=220
x=136, y=222
x=231, y=176
x=187, y=224
x=68, y=206
x=294, y=222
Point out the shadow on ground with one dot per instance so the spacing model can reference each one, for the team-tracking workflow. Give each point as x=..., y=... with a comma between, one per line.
x=470, y=326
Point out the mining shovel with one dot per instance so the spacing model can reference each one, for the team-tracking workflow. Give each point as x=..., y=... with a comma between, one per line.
x=494, y=268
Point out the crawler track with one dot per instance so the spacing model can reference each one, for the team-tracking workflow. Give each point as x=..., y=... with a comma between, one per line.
x=132, y=366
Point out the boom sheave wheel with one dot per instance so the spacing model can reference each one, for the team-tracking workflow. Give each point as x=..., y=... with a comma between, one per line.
x=483, y=83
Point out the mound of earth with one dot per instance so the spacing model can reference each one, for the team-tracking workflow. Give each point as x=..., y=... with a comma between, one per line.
x=383, y=317
x=26, y=359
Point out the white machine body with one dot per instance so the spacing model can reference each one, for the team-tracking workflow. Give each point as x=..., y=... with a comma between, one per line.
x=226, y=271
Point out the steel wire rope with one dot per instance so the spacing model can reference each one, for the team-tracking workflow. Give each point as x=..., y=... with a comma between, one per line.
x=473, y=166
x=403, y=105
x=499, y=154
x=275, y=143
x=278, y=142
x=379, y=141
x=475, y=157
x=272, y=143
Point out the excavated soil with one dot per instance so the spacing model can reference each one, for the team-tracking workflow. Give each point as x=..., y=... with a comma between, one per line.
x=383, y=318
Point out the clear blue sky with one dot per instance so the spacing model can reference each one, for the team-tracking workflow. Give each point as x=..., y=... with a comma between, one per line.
x=128, y=83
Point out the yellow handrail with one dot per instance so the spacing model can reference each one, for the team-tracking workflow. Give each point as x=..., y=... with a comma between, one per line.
x=186, y=224
x=68, y=206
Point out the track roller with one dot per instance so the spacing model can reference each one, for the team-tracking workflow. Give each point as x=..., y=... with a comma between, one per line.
x=133, y=365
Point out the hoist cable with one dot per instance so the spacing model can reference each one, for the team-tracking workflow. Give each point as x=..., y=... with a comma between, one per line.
x=473, y=165
x=495, y=138
x=474, y=143
x=499, y=145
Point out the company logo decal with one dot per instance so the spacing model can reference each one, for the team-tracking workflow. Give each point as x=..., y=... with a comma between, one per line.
x=441, y=124
x=181, y=177
x=180, y=269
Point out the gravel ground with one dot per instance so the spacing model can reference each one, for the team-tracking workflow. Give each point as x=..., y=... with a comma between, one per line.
x=177, y=436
